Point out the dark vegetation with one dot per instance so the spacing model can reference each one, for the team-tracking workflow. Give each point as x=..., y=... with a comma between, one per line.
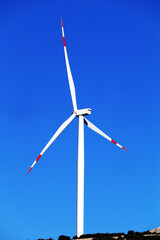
x=45, y=239
x=62, y=237
x=131, y=235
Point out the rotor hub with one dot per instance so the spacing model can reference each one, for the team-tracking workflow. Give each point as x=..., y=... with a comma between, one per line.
x=83, y=112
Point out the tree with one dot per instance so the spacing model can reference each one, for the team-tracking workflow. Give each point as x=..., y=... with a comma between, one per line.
x=63, y=237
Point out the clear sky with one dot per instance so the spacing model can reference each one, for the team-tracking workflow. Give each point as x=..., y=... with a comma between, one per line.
x=114, y=53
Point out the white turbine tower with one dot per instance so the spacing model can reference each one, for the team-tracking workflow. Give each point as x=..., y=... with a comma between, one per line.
x=80, y=171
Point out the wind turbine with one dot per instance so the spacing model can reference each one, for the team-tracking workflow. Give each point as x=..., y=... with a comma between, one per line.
x=80, y=113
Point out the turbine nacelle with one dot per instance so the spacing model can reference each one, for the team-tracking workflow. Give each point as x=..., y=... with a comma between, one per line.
x=83, y=112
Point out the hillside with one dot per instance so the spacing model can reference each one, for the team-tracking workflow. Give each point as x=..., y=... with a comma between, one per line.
x=153, y=234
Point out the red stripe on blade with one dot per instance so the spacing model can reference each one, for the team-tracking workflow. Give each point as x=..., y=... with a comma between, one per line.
x=38, y=157
x=61, y=22
x=113, y=141
x=29, y=170
x=64, y=42
x=124, y=148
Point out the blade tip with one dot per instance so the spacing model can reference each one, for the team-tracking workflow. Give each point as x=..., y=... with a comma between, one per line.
x=61, y=22
x=29, y=170
x=124, y=149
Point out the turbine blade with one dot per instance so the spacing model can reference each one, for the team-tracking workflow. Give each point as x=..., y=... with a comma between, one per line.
x=97, y=130
x=70, y=79
x=57, y=133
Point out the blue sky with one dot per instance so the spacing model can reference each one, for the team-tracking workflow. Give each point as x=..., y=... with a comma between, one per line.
x=114, y=53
